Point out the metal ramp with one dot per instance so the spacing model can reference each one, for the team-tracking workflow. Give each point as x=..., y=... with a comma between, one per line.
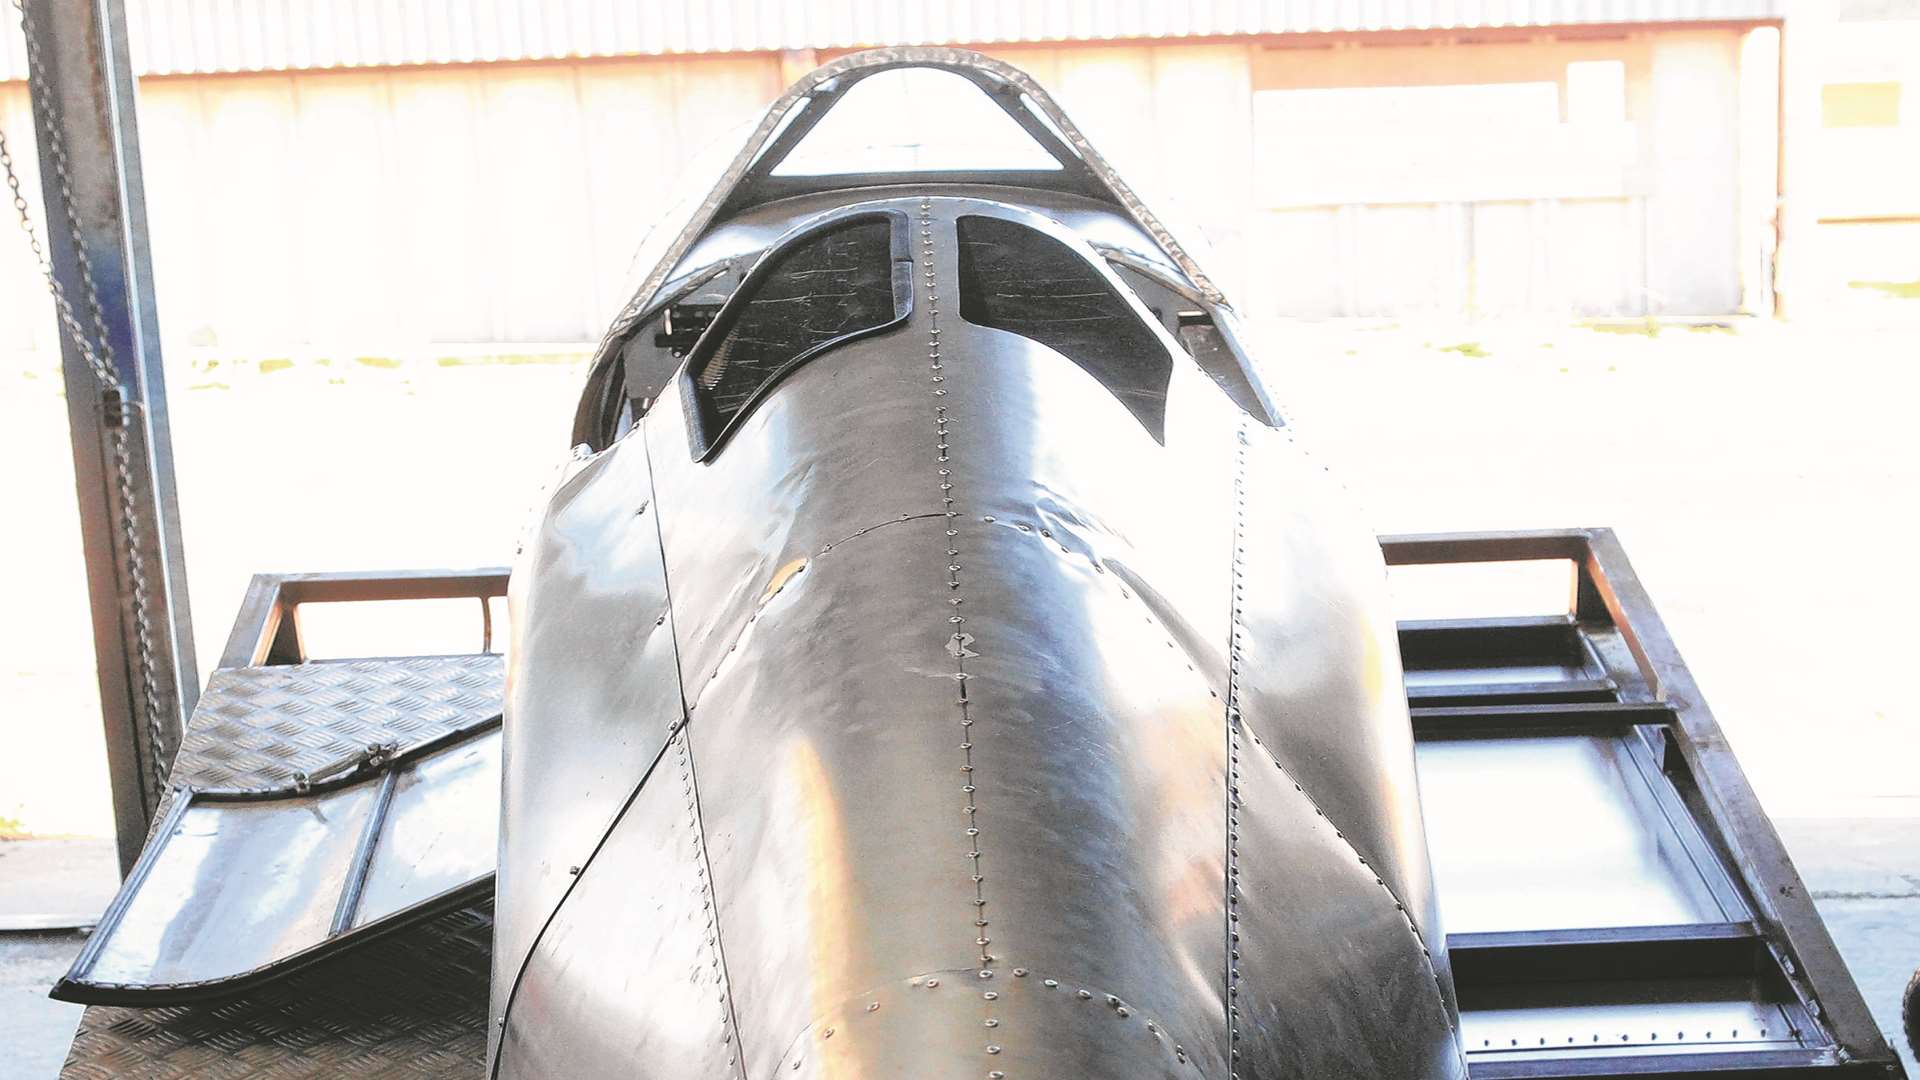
x=1617, y=903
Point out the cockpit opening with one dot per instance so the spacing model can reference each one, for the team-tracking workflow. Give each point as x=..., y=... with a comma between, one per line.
x=845, y=280
x=1021, y=280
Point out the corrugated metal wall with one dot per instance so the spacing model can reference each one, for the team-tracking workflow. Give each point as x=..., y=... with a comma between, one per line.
x=1499, y=180
x=400, y=210
x=202, y=36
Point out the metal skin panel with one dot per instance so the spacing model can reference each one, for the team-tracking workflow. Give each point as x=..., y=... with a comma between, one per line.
x=438, y=834
x=828, y=788
x=237, y=886
x=1328, y=977
x=813, y=465
x=1317, y=669
x=595, y=640
x=955, y=634
x=623, y=982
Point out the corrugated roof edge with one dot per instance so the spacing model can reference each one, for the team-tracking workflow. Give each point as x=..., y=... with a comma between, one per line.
x=183, y=37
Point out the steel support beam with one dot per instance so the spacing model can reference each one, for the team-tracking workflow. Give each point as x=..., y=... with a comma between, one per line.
x=83, y=98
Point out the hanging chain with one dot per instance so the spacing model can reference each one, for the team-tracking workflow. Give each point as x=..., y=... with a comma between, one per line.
x=120, y=406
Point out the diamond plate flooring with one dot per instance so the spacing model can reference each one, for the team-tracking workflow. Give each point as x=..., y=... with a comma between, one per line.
x=411, y=1006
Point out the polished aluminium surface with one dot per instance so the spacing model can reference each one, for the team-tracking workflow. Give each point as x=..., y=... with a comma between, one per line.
x=438, y=834
x=238, y=883
x=235, y=887
x=955, y=635
x=594, y=692
x=640, y=917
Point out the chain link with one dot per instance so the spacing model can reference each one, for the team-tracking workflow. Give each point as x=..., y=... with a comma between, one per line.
x=120, y=407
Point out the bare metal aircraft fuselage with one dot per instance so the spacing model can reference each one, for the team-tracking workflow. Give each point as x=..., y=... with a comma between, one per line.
x=936, y=660
x=940, y=662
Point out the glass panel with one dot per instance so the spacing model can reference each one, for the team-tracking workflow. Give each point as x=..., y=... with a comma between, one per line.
x=822, y=288
x=1552, y=832
x=237, y=886
x=911, y=120
x=1576, y=1020
x=1023, y=281
x=441, y=832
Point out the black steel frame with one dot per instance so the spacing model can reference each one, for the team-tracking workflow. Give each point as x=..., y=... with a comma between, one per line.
x=1641, y=686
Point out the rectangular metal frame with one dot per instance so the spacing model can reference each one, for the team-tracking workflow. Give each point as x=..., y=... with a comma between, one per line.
x=1652, y=694
x=267, y=628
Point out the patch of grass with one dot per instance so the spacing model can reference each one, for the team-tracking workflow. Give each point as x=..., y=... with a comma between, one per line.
x=1647, y=328
x=508, y=359
x=1467, y=348
x=1710, y=328
x=268, y=367
x=384, y=363
x=210, y=386
x=12, y=829
x=1898, y=290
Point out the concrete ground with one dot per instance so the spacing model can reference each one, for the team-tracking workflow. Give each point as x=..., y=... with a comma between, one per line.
x=1762, y=479
x=34, y=1031
x=45, y=883
x=1865, y=877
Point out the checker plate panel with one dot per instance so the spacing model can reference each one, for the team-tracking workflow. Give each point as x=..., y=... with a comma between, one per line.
x=412, y=1007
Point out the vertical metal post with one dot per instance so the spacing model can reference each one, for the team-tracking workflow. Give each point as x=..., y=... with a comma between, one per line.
x=83, y=99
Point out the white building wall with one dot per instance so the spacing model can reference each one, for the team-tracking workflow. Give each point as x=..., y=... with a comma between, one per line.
x=406, y=210
x=382, y=212
x=1583, y=177
x=1694, y=197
